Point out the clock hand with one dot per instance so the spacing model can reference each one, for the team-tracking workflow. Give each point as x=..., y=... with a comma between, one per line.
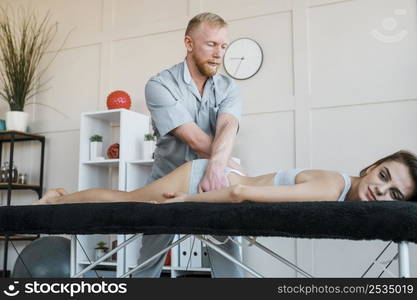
x=237, y=69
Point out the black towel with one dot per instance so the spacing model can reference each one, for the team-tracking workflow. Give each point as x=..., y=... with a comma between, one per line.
x=396, y=221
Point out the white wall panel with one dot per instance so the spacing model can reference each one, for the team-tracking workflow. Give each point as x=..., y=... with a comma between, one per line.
x=4, y=106
x=75, y=19
x=72, y=89
x=352, y=258
x=134, y=13
x=265, y=142
x=84, y=15
x=351, y=59
x=312, y=3
x=271, y=89
x=262, y=262
x=350, y=138
x=341, y=258
x=134, y=61
x=61, y=169
x=236, y=9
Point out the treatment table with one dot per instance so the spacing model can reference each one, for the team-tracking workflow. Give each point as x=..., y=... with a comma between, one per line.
x=388, y=221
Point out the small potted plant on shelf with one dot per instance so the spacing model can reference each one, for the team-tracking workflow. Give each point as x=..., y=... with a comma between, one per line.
x=96, y=147
x=149, y=146
x=101, y=249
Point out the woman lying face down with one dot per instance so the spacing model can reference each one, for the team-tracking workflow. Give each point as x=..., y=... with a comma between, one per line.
x=391, y=178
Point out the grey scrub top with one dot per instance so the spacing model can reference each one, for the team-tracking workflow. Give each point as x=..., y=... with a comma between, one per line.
x=173, y=100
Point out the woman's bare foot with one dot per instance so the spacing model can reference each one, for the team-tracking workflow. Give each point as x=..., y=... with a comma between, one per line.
x=61, y=191
x=51, y=196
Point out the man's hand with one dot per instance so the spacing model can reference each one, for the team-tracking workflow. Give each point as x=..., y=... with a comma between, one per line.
x=214, y=178
x=234, y=165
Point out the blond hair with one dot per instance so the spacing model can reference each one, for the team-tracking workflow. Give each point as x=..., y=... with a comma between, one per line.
x=207, y=17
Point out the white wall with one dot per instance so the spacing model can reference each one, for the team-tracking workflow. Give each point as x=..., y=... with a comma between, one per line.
x=330, y=94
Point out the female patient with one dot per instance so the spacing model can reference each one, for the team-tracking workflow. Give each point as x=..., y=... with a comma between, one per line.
x=391, y=178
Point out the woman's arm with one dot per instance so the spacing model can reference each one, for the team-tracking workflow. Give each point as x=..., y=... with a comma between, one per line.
x=317, y=190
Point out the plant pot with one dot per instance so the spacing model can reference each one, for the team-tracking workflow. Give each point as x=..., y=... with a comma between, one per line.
x=96, y=149
x=17, y=120
x=100, y=252
x=148, y=149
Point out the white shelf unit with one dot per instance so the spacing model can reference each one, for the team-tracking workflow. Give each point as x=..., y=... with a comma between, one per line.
x=128, y=129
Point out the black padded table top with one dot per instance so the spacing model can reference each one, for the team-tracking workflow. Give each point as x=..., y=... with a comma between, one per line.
x=396, y=221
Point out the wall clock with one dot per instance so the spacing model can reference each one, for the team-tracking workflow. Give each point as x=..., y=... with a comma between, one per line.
x=243, y=58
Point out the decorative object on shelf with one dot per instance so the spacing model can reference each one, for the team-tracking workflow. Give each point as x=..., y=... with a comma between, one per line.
x=114, y=246
x=5, y=171
x=17, y=120
x=2, y=125
x=168, y=258
x=24, y=39
x=149, y=144
x=118, y=99
x=113, y=151
x=22, y=179
x=101, y=249
x=243, y=58
x=96, y=147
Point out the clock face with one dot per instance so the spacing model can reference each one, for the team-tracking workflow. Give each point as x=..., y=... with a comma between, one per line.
x=243, y=58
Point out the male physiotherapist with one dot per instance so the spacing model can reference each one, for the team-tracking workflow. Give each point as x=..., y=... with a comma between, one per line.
x=195, y=114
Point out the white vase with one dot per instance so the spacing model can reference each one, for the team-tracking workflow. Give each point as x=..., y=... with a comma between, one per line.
x=148, y=149
x=99, y=253
x=96, y=149
x=17, y=120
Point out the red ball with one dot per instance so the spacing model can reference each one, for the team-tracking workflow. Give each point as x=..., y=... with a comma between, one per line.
x=113, y=151
x=118, y=99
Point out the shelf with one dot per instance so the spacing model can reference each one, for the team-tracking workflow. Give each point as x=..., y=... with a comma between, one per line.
x=130, y=132
x=191, y=269
x=12, y=137
x=103, y=163
x=111, y=115
x=6, y=136
x=19, y=237
x=141, y=162
x=103, y=263
x=18, y=186
x=182, y=269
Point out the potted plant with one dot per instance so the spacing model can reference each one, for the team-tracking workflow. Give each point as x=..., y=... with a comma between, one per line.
x=96, y=146
x=24, y=40
x=101, y=249
x=149, y=146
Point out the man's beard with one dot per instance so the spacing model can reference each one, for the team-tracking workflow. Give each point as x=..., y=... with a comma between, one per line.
x=204, y=68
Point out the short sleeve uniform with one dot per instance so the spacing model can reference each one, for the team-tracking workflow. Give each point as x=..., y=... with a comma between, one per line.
x=173, y=100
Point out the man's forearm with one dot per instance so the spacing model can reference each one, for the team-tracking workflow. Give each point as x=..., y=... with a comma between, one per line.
x=217, y=149
x=221, y=148
x=223, y=142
